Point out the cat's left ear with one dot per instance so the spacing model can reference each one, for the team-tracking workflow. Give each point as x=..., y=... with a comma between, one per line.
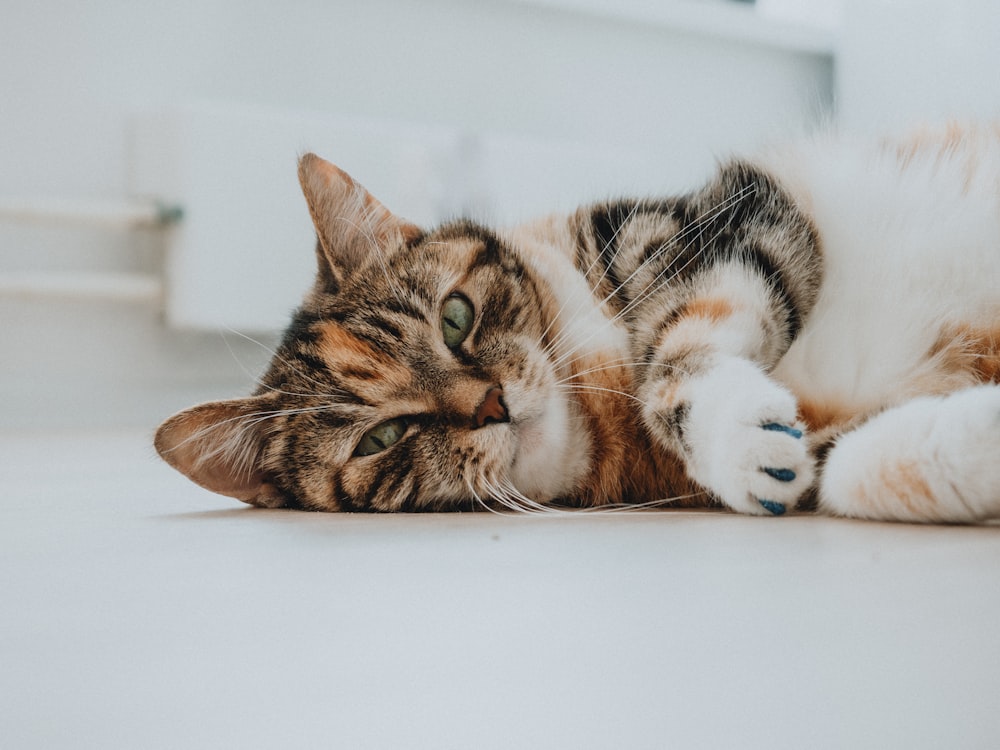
x=350, y=222
x=220, y=446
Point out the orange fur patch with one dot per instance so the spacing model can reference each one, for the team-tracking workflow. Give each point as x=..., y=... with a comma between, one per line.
x=971, y=350
x=344, y=351
x=821, y=415
x=627, y=466
x=937, y=142
x=711, y=308
x=954, y=141
x=905, y=481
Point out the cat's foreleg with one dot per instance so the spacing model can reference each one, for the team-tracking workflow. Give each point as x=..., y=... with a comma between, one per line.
x=932, y=459
x=707, y=395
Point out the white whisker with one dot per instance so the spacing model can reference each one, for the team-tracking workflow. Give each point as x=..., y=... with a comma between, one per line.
x=658, y=281
x=586, y=275
x=601, y=389
x=367, y=230
x=611, y=365
x=321, y=393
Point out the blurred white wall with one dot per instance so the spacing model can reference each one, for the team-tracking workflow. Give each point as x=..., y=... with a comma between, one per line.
x=683, y=81
x=905, y=62
x=72, y=73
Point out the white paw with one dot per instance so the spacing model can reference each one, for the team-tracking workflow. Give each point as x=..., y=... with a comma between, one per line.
x=931, y=459
x=743, y=440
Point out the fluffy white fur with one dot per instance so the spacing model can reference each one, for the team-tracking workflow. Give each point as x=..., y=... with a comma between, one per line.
x=909, y=245
x=932, y=459
x=727, y=445
x=905, y=250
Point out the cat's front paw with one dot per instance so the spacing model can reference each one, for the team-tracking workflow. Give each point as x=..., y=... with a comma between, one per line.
x=743, y=441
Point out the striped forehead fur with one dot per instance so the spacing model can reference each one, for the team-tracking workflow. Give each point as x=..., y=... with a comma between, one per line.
x=359, y=343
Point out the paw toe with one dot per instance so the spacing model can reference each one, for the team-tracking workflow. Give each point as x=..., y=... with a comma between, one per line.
x=782, y=475
x=775, y=509
x=787, y=429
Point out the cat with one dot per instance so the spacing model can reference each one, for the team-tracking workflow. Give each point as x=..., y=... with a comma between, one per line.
x=816, y=328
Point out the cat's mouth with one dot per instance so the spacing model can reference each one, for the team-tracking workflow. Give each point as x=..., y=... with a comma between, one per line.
x=550, y=455
x=530, y=436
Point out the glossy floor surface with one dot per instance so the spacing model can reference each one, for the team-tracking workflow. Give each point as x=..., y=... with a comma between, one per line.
x=137, y=610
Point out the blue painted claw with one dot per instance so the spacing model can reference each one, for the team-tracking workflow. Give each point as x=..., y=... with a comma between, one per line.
x=775, y=509
x=782, y=475
x=775, y=427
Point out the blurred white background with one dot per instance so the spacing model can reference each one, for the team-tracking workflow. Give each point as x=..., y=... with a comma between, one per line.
x=494, y=108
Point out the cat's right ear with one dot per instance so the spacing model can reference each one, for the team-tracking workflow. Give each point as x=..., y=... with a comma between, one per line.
x=350, y=223
x=220, y=446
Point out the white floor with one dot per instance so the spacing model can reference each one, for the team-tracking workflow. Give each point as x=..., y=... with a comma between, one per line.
x=140, y=612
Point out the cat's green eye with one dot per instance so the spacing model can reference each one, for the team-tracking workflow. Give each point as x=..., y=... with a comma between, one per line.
x=380, y=437
x=457, y=316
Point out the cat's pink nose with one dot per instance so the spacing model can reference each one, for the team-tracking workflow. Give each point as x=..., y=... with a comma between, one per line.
x=493, y=409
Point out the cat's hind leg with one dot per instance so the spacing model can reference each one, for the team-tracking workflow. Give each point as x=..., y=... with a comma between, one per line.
x=933, y=459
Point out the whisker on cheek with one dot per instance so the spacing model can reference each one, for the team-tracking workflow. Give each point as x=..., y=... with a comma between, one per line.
x=322, y=389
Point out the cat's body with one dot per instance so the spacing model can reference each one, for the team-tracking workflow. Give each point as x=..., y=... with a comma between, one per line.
x=812, y=308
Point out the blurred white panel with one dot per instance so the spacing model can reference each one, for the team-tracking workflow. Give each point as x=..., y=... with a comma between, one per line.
x=242, y=257
x=900, y=64
x=517, y=178
x=801, y=25
x=820, y=14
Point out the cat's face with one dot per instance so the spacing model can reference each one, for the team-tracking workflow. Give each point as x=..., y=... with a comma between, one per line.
x=415, y=376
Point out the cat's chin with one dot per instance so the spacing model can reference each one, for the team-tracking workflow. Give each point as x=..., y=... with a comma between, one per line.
x=552, y=454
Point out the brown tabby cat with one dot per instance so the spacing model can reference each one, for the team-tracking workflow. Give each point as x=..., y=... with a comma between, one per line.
x=831, y=306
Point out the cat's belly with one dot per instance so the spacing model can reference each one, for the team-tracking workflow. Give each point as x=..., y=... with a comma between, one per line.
x=874, y=342
x=911, y=259
x=838, y=372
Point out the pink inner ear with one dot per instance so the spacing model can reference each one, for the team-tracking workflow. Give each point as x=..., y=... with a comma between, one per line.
x=347, y=217
x=319, y=174
x=222, y=478
x=215, y=448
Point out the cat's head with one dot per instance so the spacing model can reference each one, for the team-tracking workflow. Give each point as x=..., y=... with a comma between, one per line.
x=416, y=375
